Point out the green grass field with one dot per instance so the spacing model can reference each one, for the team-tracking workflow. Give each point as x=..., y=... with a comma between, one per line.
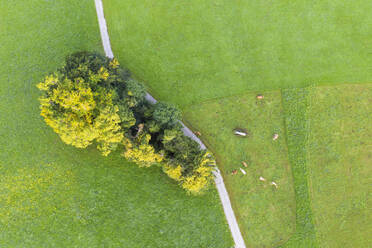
x=205, y=49
x=195, y=53
x=327, y=131
x=211, y=58
x=328, y=136
x=54, y=195
x=266, y=215
x=339, y=162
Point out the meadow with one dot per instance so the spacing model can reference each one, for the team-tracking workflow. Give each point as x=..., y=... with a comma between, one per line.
x=311, y=62
x=213, y=57
x=266, y=213
x=339, y=163
x=324, y=134
x=54, y=195
x=198, y=50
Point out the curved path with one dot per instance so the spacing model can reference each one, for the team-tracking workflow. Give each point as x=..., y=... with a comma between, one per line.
x=224, y=196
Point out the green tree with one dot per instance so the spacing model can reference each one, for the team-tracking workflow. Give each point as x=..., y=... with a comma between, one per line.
x=166, y=114
x=126, y=115
x=181, y=150
x=198, y=178
x=134, y=93
x=186, y=162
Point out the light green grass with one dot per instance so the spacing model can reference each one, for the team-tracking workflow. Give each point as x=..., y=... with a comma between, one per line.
x=54, y=195
x=339, y=162
x=328, y=136
x=266, y=215
x=189, y=51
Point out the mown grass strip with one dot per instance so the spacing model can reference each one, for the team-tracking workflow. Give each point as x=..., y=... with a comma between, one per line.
x=295, y=105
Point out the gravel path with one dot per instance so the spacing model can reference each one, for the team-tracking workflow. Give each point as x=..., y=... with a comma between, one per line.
x=224, y=196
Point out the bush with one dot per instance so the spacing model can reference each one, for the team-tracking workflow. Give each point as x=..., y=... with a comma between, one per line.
x=92, y=99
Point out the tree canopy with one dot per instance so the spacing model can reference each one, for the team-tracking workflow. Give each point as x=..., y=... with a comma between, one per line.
x=92, y=99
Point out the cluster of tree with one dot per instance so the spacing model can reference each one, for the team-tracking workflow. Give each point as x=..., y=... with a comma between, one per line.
x=92, y=99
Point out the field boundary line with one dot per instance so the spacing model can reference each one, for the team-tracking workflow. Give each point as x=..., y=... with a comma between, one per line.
x=220, y=185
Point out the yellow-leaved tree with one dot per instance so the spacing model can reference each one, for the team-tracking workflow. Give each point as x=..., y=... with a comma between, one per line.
x=186, y=163
x=201, y=176
x=139, y=150
x=78, y=103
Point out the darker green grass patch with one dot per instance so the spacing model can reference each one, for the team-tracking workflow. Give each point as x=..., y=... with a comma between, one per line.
x=295, y=105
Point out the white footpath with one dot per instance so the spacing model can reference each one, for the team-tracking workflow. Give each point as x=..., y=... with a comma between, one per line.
x=224, y=196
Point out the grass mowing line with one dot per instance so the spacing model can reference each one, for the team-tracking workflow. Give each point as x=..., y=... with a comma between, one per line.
x=262, y=92
x=266, y=215
x=296, y=103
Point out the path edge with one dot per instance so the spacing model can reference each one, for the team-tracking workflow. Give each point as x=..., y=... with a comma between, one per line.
x=218, y=180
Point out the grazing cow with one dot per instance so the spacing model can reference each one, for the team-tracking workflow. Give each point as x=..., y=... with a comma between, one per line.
x=273, y=183
x=260, y=97
x=262, y=179
x=245, y=164
x=240, y=132
x=243, y=171
x=234, y=172
x=275, y=136
x=140, y=128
